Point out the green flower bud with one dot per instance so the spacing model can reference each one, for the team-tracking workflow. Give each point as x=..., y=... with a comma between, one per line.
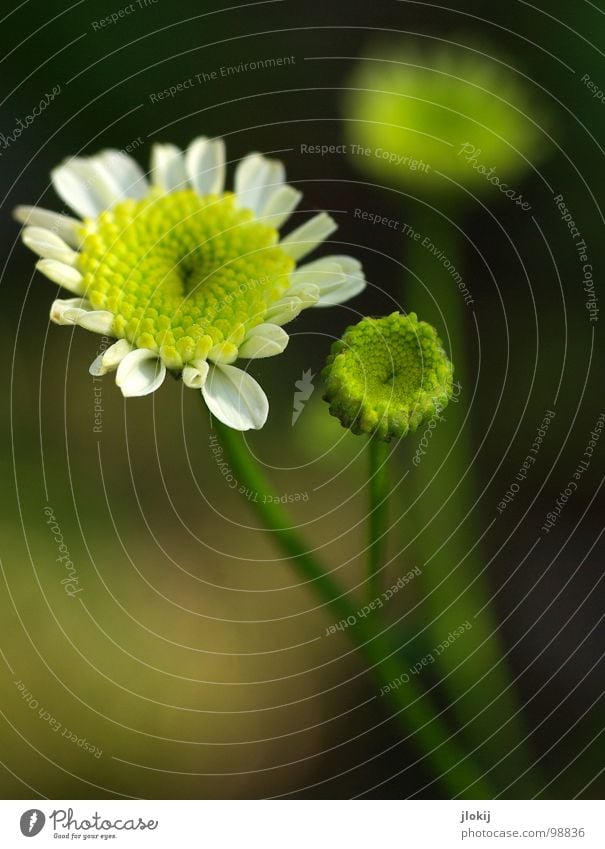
x=418, y=112
x=386, y=376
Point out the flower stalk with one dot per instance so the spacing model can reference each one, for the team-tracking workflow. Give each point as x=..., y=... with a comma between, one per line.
x=378, y=515
x=412, y=706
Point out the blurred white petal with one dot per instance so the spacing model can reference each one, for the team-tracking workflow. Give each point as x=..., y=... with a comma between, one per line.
x=86, y=185
x=257, y=179
x=127, y=173
x=65, y=275
x=308, y=236
x=168, y=167
x=205, y=164
x=63, y=225
x=280, y=205
x=47, y=244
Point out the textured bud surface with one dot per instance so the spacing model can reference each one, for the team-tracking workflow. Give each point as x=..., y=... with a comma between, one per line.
x=387, y=375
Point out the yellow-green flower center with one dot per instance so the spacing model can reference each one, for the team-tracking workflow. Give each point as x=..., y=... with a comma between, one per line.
x=183, y=275
x=387, y=375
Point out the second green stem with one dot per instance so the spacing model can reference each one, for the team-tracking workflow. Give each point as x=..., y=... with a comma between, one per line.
x=412, y=707
x=378, y=517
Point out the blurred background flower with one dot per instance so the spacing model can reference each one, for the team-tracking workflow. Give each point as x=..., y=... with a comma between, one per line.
x=428, y=115
x=478, y=125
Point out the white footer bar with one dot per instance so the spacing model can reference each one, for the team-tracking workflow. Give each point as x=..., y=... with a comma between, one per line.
x=303, y=824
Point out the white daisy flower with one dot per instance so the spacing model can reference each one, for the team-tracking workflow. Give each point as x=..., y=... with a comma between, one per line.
x=186, y=276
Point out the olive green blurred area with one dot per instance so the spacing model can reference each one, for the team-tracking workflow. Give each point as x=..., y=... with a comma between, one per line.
x=180, y=656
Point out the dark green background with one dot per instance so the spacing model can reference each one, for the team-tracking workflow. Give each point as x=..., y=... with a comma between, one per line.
x=205, y=675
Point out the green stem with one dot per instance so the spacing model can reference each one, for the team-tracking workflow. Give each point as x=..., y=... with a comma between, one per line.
x=445, y=511
x=378, y=518
x=411, y=706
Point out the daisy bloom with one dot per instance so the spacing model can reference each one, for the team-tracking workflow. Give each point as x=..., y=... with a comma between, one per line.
x=186, y=276
x=387, y=376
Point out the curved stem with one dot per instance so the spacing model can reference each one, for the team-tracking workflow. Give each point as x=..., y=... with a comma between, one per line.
x=378, y=518
x=413, y=709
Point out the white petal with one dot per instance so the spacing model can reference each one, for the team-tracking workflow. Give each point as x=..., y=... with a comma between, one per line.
x=140, y=373
x=264, y=340
x=86, y=186
x=47, y=244
x=114, y=355
x=337, y=277
x=284, y=310
x=324, y=273
x=280, y=205
x=168, y=167
x=75, y=193
x=62, y=225
x=257, y=179
x=66, y=310
x=205, y=164
x=235, y=398
x=97, y=321
x=349, y=289
x=65, y=275
x=111, y=358
x=195, y=374
x=308, y=236
x=355, y=282
x=309, y=295
x=127, y=173
x=80, y=311
x=287, y=308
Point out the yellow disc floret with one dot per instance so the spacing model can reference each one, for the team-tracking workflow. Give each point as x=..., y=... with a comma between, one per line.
x=387, y=375
x=184, y=275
